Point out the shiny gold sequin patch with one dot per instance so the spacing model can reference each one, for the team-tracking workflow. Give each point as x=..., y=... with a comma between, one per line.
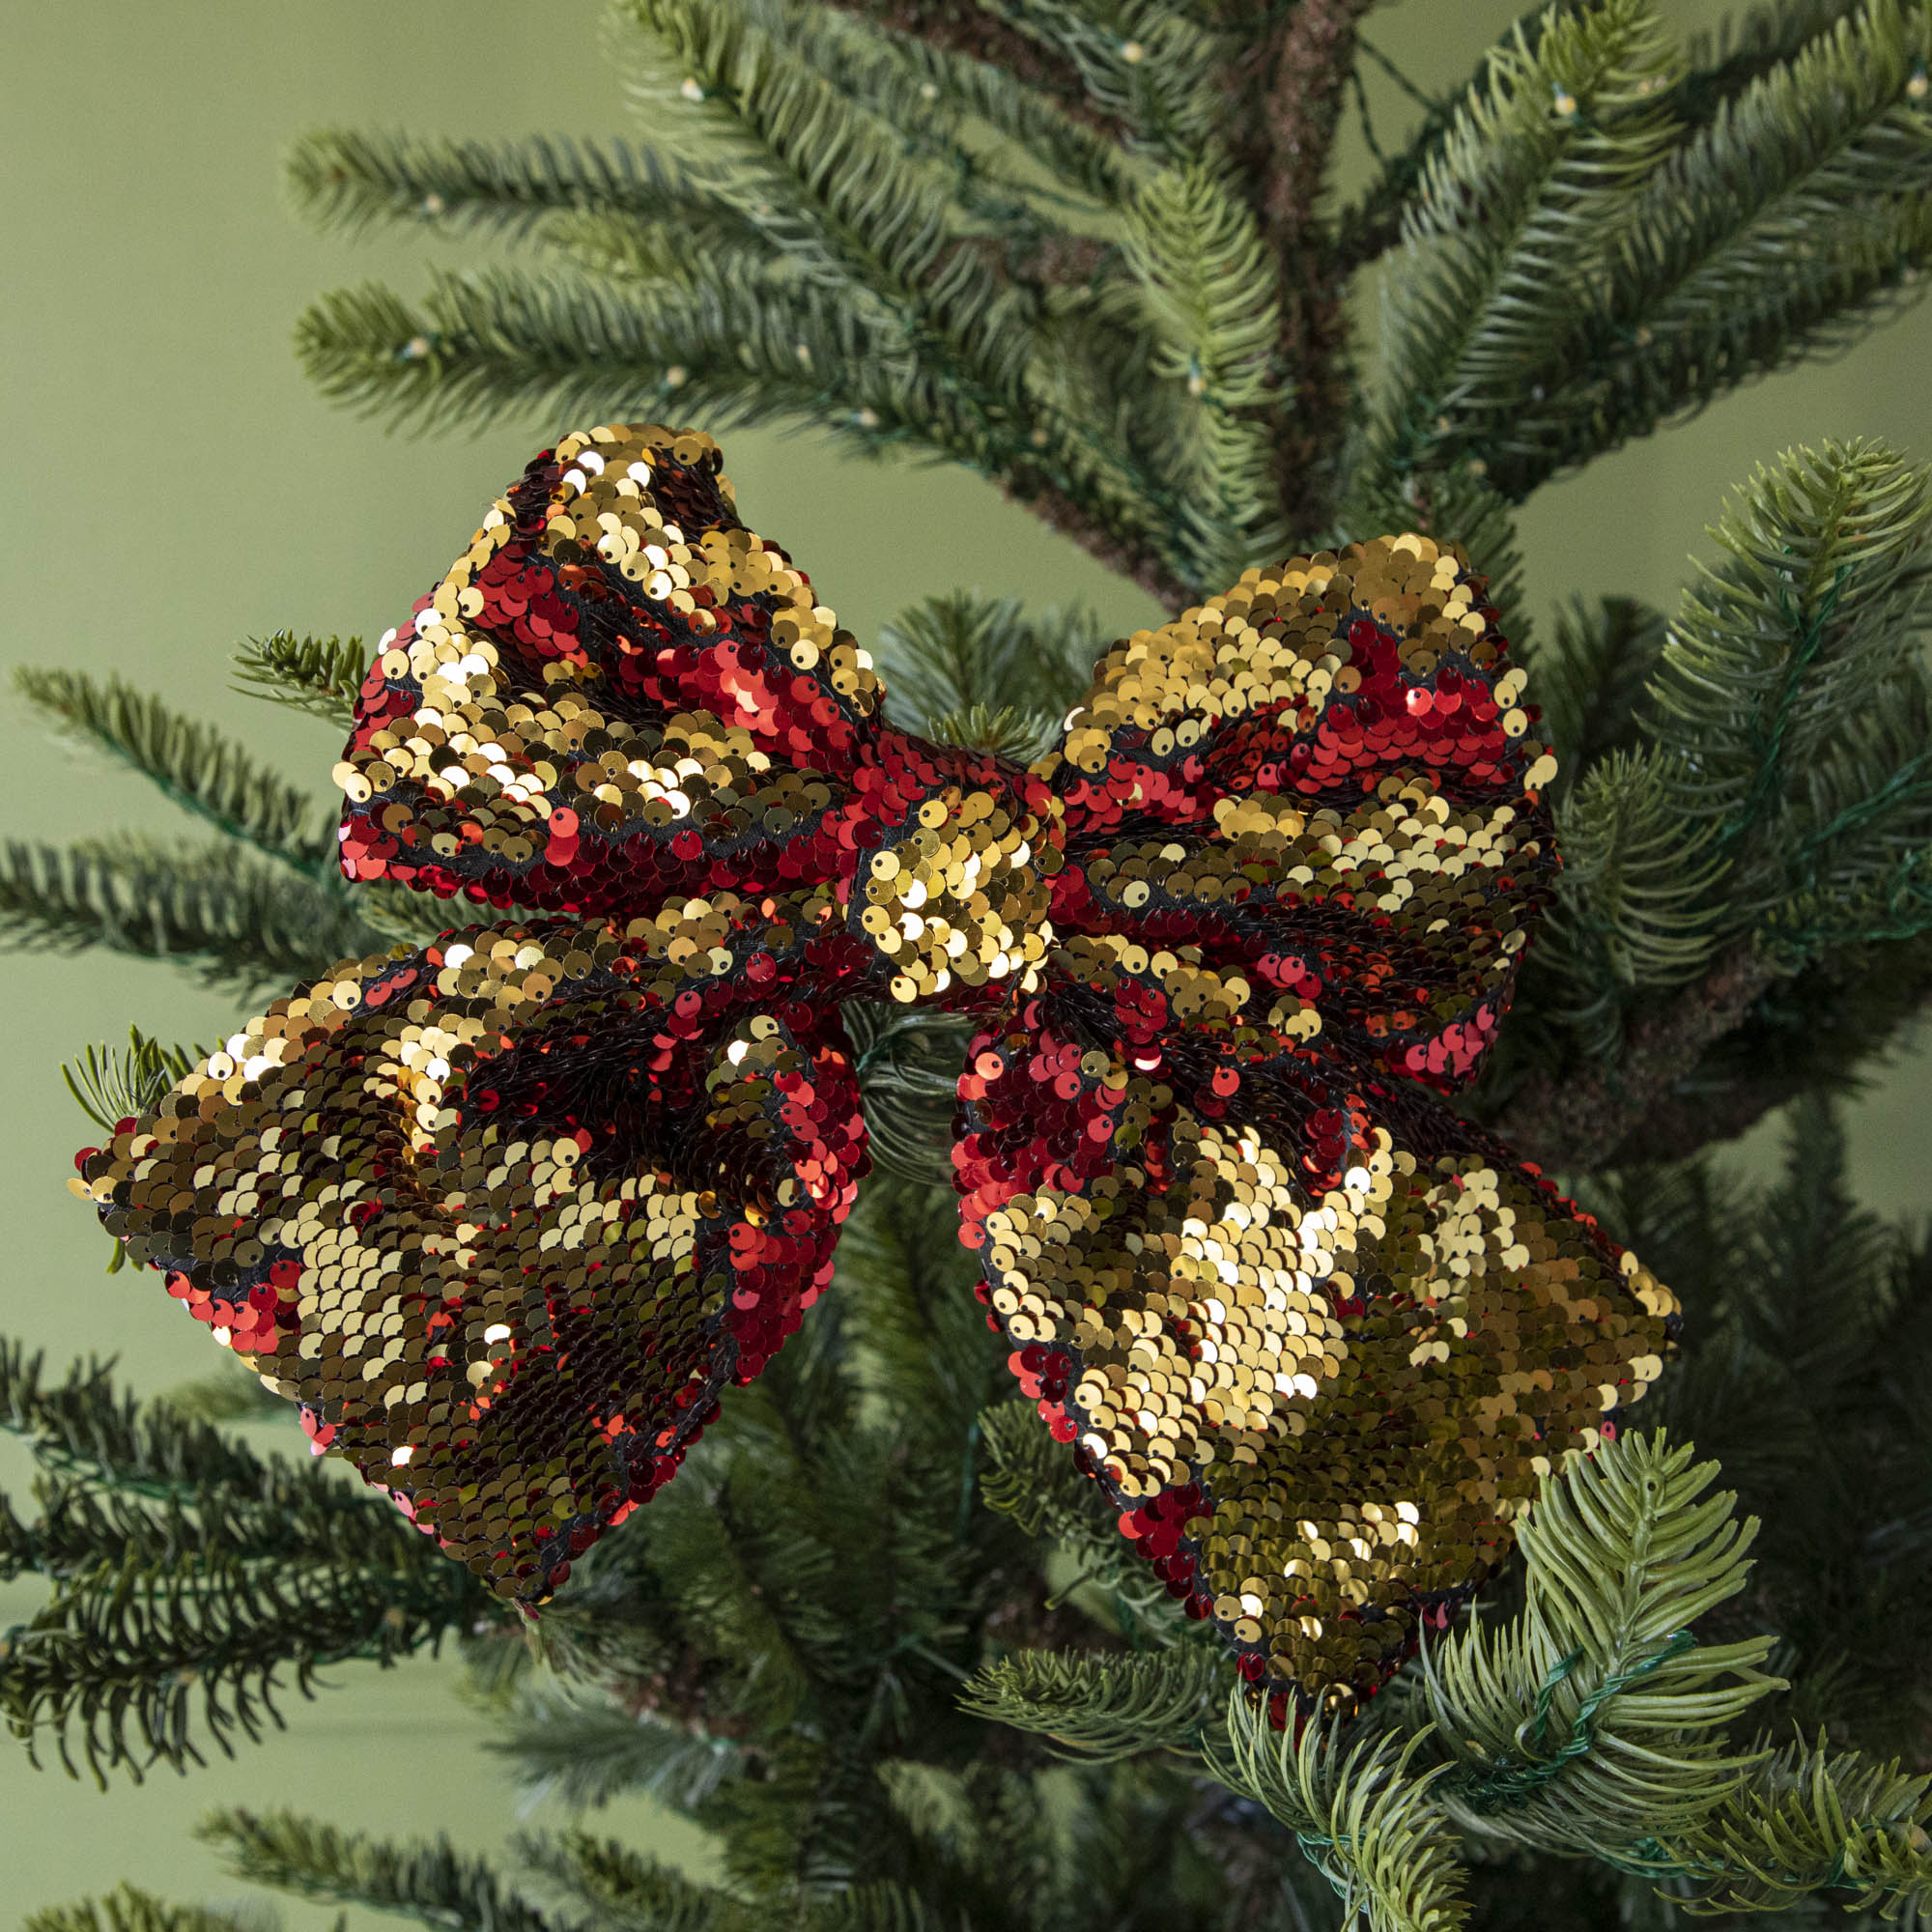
x=1321, y=1407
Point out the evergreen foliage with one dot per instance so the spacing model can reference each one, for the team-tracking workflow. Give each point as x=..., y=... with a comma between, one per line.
x=428, y=1882
x=880, y=1640
x=1814, y=1313
x=317, y=675
x=959, y=654
x=239, y=919
x=1627, y=1738
x=112, y=1084
x=1796, y=698
x=190, y=1579
x=187, y=762
x=1752, y=797
x=125, y=1909
x=1107, y=1707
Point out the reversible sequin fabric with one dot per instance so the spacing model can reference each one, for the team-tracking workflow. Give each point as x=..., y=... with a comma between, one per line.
x=507, y=1215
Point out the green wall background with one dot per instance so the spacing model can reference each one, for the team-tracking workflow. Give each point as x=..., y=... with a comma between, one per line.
x=171, y=486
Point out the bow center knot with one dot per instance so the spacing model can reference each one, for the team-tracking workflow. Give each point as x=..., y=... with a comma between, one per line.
x=954, y=894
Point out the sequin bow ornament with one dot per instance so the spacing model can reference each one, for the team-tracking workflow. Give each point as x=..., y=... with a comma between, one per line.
x=507, y=1215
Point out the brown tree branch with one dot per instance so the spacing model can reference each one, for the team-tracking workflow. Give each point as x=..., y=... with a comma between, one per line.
x=1580, y=1121
x=1311, y=60
x=1681, y=1123
x=1304, y=73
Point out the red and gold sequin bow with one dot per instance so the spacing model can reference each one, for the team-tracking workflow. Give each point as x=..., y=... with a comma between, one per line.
x=508, y=1213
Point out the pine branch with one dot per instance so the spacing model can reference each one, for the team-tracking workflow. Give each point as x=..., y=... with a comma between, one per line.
x=1831, y=291
x=840, y=195
x=351, y=182
x=236, y=1395
x=1046, y=171
x=941, y=1807
x=82, y=1527
x=972, y=77
x=1593, y=1723
x=985, y=37
x=83, y=1427
x=1795, y=218
x=1632, y=914
x=729, y=350
x=431, y=1882
x=924, y=1336
x=484, y=346
x=1208, y=291
x=1145, y=65
x=1794, y=716
x=127, y=1909
x=627, y=1891
x=114, y=1084
x=1809, y=1820
x=189, y=1576
x=626, y=249
x=1743, y=48
x=191, y=763
x=742, y=1569
x=1281, y=93
x=1791, y=685
x=1591, y=680
x=864, y=311
x=1106, y=1708
x=240, y=921
x=585, y=1749
x=1719, y=65
x=1579, y=1121
x=320, y=675
x=137, y=1665
x=841, y=200
x=1362, y=1818
x=1598, y=1718
x=1808, y=1310
x=1373, y=224
x=1821, y=1030
x=827, y=188
x=1031, y=1478
x=945, y=656
x=111, y=1084
x=614, y=1628
x=885, y=1906
x=1537, y=185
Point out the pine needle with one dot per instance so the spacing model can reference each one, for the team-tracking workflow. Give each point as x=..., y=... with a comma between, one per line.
x=236, y=918
x=189, y=763
x=320, y=675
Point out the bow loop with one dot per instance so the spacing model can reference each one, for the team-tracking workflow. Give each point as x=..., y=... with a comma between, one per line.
x=1320, y=787
x=506, y=1214
x=616, y=694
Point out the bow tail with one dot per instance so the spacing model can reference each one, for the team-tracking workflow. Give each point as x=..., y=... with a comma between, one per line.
x=1314, y=1337
x=506, y=1215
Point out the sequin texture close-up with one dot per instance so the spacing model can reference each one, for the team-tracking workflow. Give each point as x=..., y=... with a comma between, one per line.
x=508, y=1215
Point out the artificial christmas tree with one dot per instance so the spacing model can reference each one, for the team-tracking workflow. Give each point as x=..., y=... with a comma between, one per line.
x=1086, y=250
